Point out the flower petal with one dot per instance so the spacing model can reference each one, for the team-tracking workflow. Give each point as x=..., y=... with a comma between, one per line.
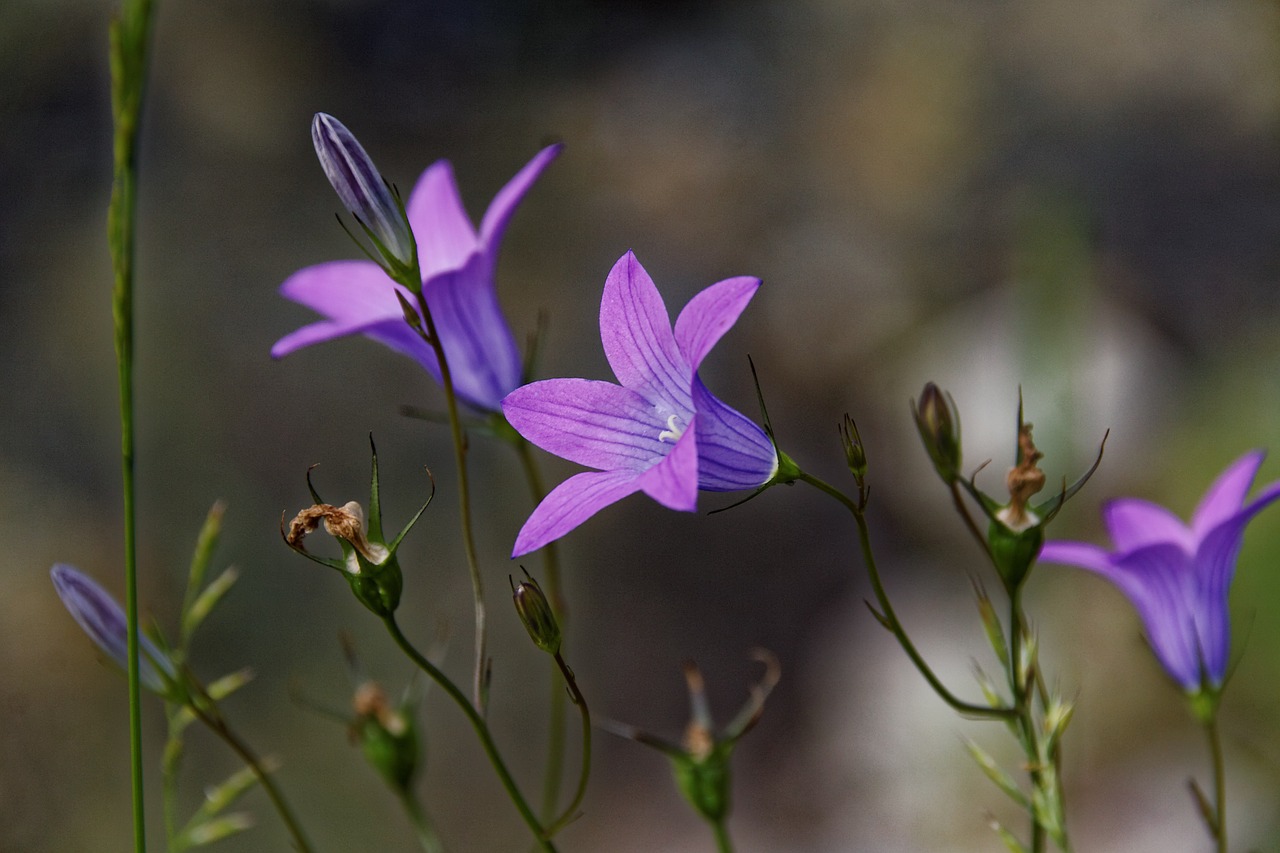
x=673, y=482
x=1080, y=554
x=1134, y=523
x=477, y=341
x=1158, y=580
x=571, y=503
x=508, y=198
x=446, y=238
x=636, y=332
x=597, y=424
x=710, y=314
x=1226, y=496
x=346, y=291
x=733, y=453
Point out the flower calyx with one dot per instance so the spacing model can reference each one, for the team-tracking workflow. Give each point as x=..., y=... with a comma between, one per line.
x=536, y=614
x=701, y=760
x=387, y=734
x=1015, y=533
x=368, y=561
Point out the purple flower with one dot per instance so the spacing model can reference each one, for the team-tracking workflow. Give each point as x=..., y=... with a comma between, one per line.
x=660, y=430
x=458, y=266
x=104, y=621
x=1178, y=576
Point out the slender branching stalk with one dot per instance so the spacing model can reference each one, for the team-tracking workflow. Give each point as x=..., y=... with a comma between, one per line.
x=571, y=811
x=477, y=720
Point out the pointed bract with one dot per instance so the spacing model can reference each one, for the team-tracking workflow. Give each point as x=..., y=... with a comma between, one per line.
x=660, y=430
x=458, y=282
x=1178, y=575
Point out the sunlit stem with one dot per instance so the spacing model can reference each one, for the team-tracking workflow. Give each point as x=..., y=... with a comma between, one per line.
x=541, y=836
x=891, y=618
x=130, y=38
x=571, y=811
x=554, y=772
x=216, y=724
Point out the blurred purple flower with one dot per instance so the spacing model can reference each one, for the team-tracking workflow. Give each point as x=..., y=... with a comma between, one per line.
x=660, y=430
x=458, y=282
x=104, y=621
x=1178, y=576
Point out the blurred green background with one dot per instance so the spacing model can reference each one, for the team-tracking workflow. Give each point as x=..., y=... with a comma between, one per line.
x=1079, y=199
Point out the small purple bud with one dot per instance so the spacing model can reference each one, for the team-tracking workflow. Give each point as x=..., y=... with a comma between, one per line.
x=362, y=189
x=104, y=621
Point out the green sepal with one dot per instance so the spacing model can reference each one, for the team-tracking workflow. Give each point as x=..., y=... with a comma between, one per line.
x=1014, y=552
x=705, y=783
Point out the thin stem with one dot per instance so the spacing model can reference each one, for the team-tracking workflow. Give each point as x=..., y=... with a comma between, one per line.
x=481, y=729
x=1022, y=701
x=422, y=825
x=554, y=773
x=1219, y=784
x=571, y=811
x=721, y=830
x=891, y=618
x=478, y=687
x=216, y=724
x=130, y=38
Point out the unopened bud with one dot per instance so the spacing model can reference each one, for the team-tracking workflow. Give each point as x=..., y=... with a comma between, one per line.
x=536, y=614
x=855, y=454
x=388, y=736
x=939, y=426
x=362, y=189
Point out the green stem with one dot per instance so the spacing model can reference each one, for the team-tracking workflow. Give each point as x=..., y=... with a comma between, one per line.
x=216, y=724
x=554, y=773
x=721, y=830
x=129, y=43
x=890, y=618
x=571, y=811
x=481, y=729
x=479, y=680
x=1022, y=701
x=422, y=825
x=1219, y=784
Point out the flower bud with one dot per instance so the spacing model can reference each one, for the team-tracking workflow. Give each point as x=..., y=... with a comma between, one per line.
x=939, y=426
x=387, y=735
x=363, y=191
x=538, y=617
x=104, y=621
x=855, y=454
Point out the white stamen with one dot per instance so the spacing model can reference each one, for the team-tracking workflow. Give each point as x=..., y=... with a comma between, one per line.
x=673, y=431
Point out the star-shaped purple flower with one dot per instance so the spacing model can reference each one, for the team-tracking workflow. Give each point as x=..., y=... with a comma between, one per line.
x=1178, y=576
x=458, y=280
x=660, y=430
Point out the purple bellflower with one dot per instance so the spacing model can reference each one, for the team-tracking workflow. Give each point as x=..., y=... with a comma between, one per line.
x=104, y=621
x=1177, y=576
x=660, y=430
x=458, y=267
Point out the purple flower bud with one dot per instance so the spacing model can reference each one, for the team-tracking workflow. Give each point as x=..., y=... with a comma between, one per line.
x=104, y=621
x=362, y=189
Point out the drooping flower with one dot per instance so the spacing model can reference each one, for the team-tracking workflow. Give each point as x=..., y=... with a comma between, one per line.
x=1178, y=576
x=660, y=430
x=458, y=267
x=103, y=619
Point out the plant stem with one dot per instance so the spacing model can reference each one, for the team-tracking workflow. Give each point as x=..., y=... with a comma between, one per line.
x=1219, y=784
x=129, y=43
x=723, y=842
x=554, y=772
x=890, y=618
x=481, y=729
x=479, y=686
x=571, y=811
x=1022, y=701
x=421, y=824
x=216, y=724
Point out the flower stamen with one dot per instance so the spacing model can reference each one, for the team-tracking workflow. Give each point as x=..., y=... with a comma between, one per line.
x=673, y=431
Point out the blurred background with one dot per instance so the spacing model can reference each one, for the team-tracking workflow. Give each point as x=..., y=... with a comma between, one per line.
x=1081, y=200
